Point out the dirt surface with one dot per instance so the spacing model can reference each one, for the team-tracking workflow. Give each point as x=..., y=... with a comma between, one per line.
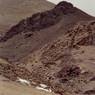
x=12, y=88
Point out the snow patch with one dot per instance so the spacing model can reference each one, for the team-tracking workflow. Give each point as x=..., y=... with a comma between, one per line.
x=23, y=81
x=43, y=85
x=44, y=89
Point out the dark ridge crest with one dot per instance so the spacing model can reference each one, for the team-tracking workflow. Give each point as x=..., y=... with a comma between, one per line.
x=39, y=20
x=64, y=6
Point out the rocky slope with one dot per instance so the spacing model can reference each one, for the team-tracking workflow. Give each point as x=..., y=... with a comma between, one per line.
x=13, y=88
x=55, y=48
x=34, y=32
x=67, y=65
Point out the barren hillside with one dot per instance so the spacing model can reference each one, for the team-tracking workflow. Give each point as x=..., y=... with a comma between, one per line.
x=34, y=32
x=67, y=64
x=54, y=48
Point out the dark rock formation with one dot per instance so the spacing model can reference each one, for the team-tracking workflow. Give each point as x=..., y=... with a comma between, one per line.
x=65, y=7
x=68, y=72
x=12, y=72
x=34, y=32
x=40, y=20
x=89, y=92
x=92, y=79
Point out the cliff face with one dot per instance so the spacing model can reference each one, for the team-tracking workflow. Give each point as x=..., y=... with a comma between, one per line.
x=33, y=32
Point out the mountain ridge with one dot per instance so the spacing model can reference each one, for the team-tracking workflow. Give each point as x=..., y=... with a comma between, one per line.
x=12, y=11
x=62, y=17
x=57, y=52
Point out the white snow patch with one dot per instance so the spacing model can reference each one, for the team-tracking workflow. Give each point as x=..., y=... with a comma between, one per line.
x=23, y=81
x=44, y=89
x=43, y=85
x=33, y=83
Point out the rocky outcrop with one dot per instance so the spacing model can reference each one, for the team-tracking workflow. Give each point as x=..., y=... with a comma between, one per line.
x=11, y=11
x=12, y=72
x=81, y=34
x=40, y=20
x=34, y=32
